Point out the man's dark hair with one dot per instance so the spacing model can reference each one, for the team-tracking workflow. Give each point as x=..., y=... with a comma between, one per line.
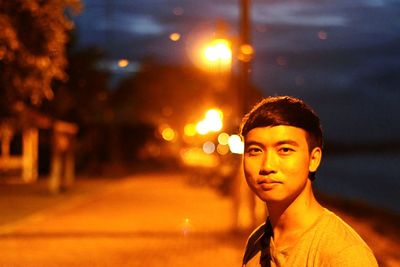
x=285, y=110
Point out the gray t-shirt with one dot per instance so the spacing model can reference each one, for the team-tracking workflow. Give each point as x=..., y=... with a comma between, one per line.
x=328, y=242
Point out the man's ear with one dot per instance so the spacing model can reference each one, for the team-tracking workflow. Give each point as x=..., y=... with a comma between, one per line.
x=315, y=159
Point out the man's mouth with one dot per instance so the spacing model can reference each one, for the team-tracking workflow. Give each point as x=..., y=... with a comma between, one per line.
x=267, y=184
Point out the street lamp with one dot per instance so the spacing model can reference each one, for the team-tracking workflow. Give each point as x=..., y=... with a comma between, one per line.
x=218, y=54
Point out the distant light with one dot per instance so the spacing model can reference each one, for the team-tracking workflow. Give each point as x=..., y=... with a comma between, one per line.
x=281, y=61
x=214, y=119
x=219, y=50
x=178, y=11
x=190, y=129
x=322, y=35
x=236, y=144
x=202, y=127
x=223, y=138
x=168, y=134
x=213, y=114
x=186, y=227
x=222, y=149
x=211, y=123
x=122, y=63
x=175, y=36
x=246, y=52
x=208, y=147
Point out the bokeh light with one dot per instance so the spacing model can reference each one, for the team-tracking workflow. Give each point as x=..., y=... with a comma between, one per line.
x=122, y=63
x=167, y=133
x=236, y=144
x=212, y=122
x=322, y=35
x=222, y=149
x=178, y=11
x=208, y=147
x=223, y=138
x=246, y=52
x=202, y=128
x=175, y=36
x=219, y=49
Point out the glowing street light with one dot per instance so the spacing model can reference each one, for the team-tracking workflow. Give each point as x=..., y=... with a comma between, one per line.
x=219, y=49
x=212, y=122
x=219, y=54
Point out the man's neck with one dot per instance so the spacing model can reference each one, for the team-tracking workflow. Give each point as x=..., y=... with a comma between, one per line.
x=291, y=220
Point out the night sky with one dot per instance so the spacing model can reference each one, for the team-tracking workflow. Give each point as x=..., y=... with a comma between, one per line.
x=342, y=57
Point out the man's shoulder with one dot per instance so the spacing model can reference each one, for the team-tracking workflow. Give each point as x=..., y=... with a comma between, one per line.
x=339, y=242
x=337, y=227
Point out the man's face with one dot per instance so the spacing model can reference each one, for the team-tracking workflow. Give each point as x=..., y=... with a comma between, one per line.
x=277, y=162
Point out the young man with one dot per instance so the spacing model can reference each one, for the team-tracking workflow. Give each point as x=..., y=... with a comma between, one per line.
x=283, y=149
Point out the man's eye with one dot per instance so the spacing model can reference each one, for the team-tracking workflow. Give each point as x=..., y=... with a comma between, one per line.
x=253, y=150
x=285, y=150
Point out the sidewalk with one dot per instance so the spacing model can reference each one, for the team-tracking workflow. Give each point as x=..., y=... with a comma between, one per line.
x=144, y=220
x=141, y=220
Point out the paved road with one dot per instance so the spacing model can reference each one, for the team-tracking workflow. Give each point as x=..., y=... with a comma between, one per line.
x=141, y=220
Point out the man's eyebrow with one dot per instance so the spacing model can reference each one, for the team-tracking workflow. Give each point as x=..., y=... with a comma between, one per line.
x=251, y=142
x=287, y=142
x=279, y=143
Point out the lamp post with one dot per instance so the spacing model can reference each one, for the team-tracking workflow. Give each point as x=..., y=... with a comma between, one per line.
x=247, y=210
x=245, y=54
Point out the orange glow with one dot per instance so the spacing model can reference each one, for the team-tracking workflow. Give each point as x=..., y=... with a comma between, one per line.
x=190, y=129
x=247, y=49
x=195, y=157
x=186, y=226
x=246, y=52
x=222, y=149
x=174, y=36
x=168, y=134
x=122, y=63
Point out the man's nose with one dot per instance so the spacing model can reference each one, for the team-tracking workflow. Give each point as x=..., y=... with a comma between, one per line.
x=268, y=165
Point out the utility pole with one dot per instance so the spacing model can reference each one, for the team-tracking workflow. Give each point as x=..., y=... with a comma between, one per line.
x=248, y=211
x=244, y=55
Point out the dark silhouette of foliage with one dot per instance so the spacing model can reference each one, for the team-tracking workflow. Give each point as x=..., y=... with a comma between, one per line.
x=33, y=37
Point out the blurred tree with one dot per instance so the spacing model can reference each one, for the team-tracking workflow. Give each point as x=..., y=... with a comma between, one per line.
x=33, y=36
x=82, y=99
